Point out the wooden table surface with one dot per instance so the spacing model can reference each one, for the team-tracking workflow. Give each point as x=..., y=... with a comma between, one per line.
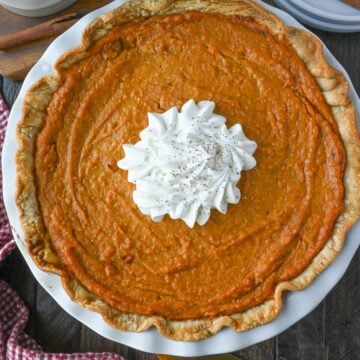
x=331, y=331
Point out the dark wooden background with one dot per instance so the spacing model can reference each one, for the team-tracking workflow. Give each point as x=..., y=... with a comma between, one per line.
x=331, y=331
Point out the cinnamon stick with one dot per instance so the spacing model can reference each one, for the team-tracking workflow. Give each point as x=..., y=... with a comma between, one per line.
x=45, y=30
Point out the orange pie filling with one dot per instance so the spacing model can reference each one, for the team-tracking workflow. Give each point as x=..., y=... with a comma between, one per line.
x=289, y=201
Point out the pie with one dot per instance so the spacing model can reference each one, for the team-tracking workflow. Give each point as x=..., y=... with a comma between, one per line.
x=297, y=204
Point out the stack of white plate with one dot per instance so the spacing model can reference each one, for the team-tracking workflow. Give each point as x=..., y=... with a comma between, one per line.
x=329, y=15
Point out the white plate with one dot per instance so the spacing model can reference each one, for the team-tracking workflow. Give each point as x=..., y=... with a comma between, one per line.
x=296, y=304
x=327, y=25
x=36, y=8
x=333, y=10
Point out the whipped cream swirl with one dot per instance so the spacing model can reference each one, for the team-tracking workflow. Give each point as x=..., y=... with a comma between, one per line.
x=187, y=163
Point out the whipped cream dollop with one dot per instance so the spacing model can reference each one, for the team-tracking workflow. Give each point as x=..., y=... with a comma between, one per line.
x=187, y=163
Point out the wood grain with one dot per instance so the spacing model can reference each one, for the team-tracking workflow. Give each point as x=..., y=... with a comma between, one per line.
x=90, y=341
x=331, y=331
x=15, y=22
x=306, y=339
x=16, y=62
x=343, y=316
x=264, y=350
x=55, y=329
x=49, y=28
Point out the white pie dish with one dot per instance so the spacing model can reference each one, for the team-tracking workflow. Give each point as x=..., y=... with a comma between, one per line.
x=296, y=304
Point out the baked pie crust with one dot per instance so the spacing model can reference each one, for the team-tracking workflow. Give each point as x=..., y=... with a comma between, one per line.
x=36, y=108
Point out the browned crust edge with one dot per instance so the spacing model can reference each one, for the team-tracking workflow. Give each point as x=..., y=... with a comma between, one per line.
x=335, y=89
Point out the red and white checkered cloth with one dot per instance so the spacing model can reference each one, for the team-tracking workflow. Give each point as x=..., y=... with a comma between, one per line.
x=6, y=241
x=14, y=343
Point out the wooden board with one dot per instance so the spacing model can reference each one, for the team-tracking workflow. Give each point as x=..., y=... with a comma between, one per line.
x=15, y=63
